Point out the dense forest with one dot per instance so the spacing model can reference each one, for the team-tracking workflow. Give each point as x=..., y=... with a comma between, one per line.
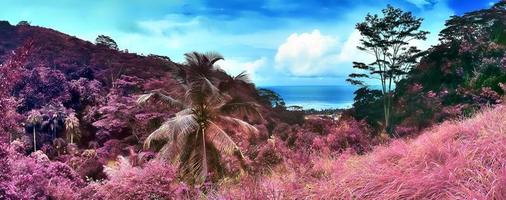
x=84, y=120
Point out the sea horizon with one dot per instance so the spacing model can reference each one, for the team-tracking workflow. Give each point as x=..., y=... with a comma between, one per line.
x=318, y=97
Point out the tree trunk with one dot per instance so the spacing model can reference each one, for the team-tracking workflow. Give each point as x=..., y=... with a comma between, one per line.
x=34, y=140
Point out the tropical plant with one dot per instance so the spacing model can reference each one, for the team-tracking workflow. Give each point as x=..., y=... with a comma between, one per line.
x=72, y=127
x=387, y=39
x=34, y=118
x=458, y=76
x=195, y=136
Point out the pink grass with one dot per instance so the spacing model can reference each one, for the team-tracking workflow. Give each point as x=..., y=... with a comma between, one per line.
x=455, y=160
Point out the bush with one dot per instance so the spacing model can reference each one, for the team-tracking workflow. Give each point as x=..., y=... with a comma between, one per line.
x=36, y=177
x=156, y=180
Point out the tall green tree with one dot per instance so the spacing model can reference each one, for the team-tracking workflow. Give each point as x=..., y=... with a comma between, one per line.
x=195, y=137
x=388, y=38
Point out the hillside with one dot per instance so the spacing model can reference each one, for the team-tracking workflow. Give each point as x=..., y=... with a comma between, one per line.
x=461, y=159
x=65, y=75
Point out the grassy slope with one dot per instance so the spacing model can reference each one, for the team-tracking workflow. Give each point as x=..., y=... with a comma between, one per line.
x=455, y=160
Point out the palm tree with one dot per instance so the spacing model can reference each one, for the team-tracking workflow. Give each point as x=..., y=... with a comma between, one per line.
x=72, y=127
x=34, y=118
x=195, y=136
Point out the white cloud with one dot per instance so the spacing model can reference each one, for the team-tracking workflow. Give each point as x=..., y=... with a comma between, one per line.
x=170, y=22
x=349, y=51
x=419, y=3
x=235, y=67
x=315, y=54
x=305, y=54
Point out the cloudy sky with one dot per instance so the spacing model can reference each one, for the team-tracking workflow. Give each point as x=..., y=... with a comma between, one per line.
x=278, y=42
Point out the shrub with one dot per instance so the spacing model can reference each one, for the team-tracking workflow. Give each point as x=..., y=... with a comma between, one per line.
x=36, y=177
x=156, y=180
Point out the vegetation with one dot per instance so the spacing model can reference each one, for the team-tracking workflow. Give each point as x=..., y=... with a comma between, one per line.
x=195, y=136
x=387, y=39
x=106, y=41
x=164, y=130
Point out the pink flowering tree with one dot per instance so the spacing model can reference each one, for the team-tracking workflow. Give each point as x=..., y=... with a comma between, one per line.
x=10, y=74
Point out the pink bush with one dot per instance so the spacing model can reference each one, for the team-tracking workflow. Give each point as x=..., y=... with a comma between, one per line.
x=269, y=155
x=36, y=177
x=347, y=134
x=155, y=180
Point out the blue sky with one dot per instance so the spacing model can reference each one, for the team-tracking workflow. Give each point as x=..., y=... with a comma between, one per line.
x=279, y=42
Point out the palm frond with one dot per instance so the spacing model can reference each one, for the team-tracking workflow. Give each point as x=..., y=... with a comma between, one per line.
x=243, y=76
x=209, y=87
x=192, y=58
x=213, y=57
x=178, y=126
x=221, y=139
x=160, y=98
x=172, y=151
x=194, y=168
x=34, y=117
x=201, y=64
x=72, y=131
x=204, y=91
x=236, y=106
x=243, y=126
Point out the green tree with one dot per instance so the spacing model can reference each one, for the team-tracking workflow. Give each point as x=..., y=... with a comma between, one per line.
x=271, y=98
x=388, y=39
x=104, y=40
x=195, y=137
x=23, y=23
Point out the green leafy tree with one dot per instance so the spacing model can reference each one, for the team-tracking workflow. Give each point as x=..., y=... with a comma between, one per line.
x=271, y=98
x=23, y=23
x=388, y=39
x=195, y=137
x=104, y=40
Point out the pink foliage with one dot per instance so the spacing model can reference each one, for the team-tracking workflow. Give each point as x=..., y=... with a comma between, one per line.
x=88, y=91
x=327, y=135
x=348, y=134
x=44, y=86
x=10, y=74
x=270, y=154
x=155, y=180
x=36, y=177
x=456, y=160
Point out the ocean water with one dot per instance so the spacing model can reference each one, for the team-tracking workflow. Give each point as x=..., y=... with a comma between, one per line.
x=316, y=97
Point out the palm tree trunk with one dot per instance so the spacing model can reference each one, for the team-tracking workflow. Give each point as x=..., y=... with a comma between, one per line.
x=204, y=155
x=34, y=140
